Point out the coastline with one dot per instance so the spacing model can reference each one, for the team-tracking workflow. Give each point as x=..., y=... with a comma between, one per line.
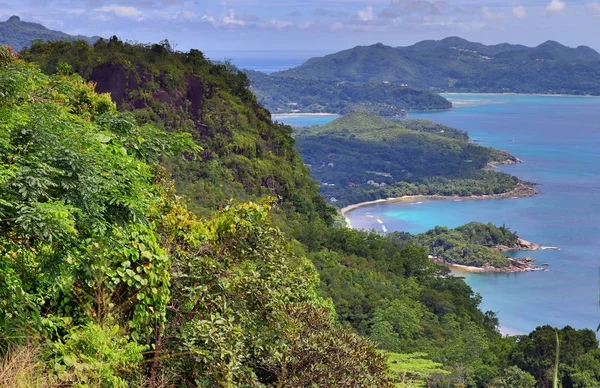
x=516, y=265
x=520, y=94
x=523, y=189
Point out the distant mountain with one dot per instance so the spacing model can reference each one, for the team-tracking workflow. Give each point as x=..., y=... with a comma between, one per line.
x=19, y=34
x=455, y=64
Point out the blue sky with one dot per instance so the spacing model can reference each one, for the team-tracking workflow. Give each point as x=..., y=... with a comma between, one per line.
x=221, y=26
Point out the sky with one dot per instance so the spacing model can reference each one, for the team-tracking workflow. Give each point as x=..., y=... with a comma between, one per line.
x=316, y=26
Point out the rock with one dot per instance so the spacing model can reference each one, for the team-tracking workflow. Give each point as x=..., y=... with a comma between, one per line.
x=520, y=245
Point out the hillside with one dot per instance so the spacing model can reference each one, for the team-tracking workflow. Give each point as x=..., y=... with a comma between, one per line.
x=454, y=64
x=361, y=157
x=284, y=95
x=245, y=154
x=109, y=281
x=19, y=34
x=194, y=289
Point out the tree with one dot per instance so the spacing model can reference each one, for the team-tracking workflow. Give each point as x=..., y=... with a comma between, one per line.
x=513, y=377
x=413, y=370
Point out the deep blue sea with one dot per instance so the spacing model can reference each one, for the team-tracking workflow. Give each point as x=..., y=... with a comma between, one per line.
x=558, y=138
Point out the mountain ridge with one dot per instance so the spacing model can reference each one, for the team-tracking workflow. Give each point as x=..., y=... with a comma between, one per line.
x=458, y=65
x=19, y=34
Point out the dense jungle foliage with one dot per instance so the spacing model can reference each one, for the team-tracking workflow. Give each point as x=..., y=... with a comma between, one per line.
x=472, y=244
x=362, y=157
x=128, y=258
x=244, y=154
x=284, y=95
x=104, y=266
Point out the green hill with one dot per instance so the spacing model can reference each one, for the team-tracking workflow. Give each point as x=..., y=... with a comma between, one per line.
x=19, y=34
x=454, y=64
x=284, y=95
x=363, y=157
x=245, y=154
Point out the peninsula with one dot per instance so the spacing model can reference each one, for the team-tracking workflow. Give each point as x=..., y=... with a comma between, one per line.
x=360, y=158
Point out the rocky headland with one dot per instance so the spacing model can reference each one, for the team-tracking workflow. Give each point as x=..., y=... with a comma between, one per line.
x=515, y=265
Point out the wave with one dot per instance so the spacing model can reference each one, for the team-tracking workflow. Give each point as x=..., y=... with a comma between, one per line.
x=550, y=248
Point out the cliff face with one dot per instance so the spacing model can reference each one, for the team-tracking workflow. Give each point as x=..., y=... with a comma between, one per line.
x=245, y=154
x=126, y=89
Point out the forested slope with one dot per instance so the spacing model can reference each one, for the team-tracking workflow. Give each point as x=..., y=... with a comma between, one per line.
x=287, y=94
x=110, y=279
x=455, y=64
x=362, y=157
x=245, y=155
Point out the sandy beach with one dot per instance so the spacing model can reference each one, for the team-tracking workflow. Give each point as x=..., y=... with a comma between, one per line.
x=522, y=190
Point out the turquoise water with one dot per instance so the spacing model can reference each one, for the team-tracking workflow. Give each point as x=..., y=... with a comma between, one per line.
x=559, y=140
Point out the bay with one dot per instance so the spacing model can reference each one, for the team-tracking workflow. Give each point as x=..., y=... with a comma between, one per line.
x=558, y=137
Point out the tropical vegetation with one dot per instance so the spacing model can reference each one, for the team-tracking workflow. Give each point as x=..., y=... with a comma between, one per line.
x=299, y=95
x=457, y=65
x=166, y=233
x=362, y=157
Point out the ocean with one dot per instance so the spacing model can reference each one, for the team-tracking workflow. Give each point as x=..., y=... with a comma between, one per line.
x=265, y=61
x=558, y=138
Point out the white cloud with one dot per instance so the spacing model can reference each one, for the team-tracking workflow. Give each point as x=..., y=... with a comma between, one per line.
x=280, y=24
x=519, y=12
x=366, y=14
x=228, y=20
x=488, y=14
x=306, y=25
x=121, y=11
x=556, y=7
x=595, y=7
x=337, y=26
x=76, y=12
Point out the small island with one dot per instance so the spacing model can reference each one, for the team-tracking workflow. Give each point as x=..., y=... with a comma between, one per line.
x=478, y=247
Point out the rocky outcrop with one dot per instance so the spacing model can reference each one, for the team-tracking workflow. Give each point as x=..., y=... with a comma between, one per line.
x=515, y=265
x=521, y=245
x=508, y=161
x=523, y=189
x=129, y=89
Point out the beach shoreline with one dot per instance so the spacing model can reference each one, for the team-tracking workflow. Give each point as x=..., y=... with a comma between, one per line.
x=520, y=94
x=523, y=190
